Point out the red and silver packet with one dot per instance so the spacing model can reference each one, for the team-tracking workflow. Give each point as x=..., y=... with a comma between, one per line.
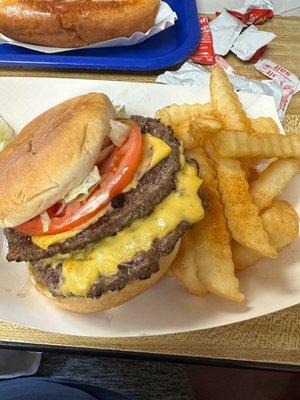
x=252, y=42
x=225, y=29
x=204, y=54
x=288, y=81
x=230, y=71
x=254, y=11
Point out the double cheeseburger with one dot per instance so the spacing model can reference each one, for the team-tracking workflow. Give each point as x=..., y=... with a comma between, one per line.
x=94, y=204
x=75, y=23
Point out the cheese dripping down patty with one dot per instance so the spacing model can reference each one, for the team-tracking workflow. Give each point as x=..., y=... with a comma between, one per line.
x=82, y=269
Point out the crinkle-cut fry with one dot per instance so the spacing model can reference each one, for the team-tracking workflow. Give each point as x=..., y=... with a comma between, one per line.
x=206, y=125
x=246, y=164
x=235, y=144
x=264, y=125
x=280, y=222
x=177, y=113
x=227, y=103
x=211, y=237
x=241, y=214
x=190, y=122
x=252, y=174
x=272, y=181
x=184, y=267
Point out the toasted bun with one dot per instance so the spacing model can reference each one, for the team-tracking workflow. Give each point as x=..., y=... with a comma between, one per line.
x=51, y=156
x=75, y=23
x=109, y=299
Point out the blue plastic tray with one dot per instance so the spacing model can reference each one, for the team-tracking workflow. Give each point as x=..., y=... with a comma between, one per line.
x=161, y=51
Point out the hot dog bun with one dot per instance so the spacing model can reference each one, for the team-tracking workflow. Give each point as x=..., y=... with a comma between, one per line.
x=74, y=23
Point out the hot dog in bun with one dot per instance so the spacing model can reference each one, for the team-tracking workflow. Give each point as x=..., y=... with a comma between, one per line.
x=75, y=23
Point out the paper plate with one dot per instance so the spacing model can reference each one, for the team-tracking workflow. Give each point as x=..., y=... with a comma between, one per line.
x=166, y=307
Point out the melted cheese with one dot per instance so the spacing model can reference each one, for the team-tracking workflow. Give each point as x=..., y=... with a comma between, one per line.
x=183, y=204
x=154, y=150
x=44, y=241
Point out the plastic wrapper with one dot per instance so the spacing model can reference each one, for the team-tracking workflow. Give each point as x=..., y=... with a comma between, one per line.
x=286, y=80
x=189, y=74
x=204, y=53
x=254, y=11
x=250, y=41
x=166, y=17
x=225, y=29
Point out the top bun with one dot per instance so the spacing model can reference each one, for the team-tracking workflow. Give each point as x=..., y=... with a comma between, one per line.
x=75, y=23
x=51, y=156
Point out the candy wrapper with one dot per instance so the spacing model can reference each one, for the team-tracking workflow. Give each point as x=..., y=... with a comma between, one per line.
x=225, y=29
x=254, y=11
x=191, y=74
x=166, y=18
x=204, y=53
x=251, y=41
x=286, y=80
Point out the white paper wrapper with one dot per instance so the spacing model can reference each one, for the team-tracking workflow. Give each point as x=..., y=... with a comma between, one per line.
x=14, y=363
x=166, y=308
x=191, y=74
x=286, y=80
x=251, y=40
x=225, y=29
x=265, y=4
x=166, y=17
x=250, y=4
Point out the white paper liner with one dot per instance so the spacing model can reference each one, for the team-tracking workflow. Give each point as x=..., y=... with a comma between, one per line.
x=166, y=18
x=166, y=307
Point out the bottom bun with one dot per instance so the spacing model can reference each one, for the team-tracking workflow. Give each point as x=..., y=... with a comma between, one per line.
x=108, y=299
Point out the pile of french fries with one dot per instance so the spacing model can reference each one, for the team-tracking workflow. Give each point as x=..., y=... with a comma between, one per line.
x=243, y=221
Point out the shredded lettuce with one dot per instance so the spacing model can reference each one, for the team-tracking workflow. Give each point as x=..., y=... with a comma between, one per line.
x=6, y=133
x=84, y=188
x=120, y=111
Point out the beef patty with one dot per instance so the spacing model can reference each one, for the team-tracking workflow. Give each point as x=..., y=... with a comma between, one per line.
x=142, y=266
x=139, y=202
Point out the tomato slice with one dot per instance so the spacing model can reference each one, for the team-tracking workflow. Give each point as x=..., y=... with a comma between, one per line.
x=116, y=171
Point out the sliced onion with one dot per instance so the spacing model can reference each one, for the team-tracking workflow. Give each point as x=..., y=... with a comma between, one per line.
x=119, y=132
x=62, y=206
x=104, y=154
x=45, y=219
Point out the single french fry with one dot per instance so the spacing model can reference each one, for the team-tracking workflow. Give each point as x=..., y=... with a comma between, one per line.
x=211, y=237
x=272, y=181
x=280, y=222
x=190, y=122
x=206, y=125
x=227, y=103
x=177, y=113
x=241, y=214
x=185, y=269
x=235, y=144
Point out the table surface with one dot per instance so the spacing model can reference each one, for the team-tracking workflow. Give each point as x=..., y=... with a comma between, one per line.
x=273, y=339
